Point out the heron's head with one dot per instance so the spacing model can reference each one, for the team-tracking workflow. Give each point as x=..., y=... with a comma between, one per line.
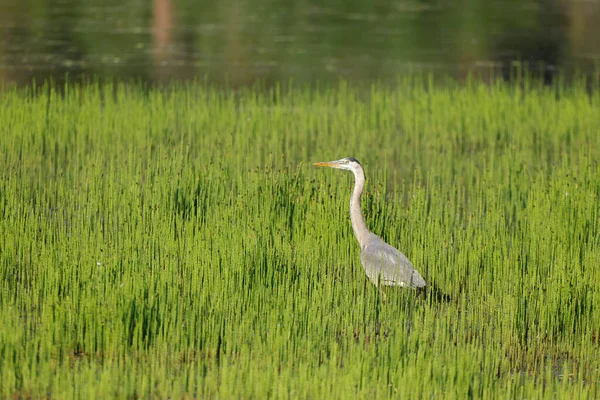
x=349, y=163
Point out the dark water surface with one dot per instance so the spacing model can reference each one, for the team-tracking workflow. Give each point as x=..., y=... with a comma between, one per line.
x=239, y=42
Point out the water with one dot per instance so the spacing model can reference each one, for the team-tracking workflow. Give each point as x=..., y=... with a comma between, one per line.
x=239, y=42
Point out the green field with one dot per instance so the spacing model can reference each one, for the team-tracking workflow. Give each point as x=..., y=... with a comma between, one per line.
x=178, y=242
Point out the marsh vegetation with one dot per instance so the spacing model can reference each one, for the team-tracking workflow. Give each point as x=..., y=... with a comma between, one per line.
x=178, y=243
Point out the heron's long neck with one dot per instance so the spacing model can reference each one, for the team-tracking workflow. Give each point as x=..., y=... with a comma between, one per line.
x=358, y=221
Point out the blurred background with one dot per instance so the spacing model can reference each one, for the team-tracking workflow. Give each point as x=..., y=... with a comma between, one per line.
x=239, y=42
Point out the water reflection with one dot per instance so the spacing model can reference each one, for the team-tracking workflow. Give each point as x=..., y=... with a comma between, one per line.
x=242, y=41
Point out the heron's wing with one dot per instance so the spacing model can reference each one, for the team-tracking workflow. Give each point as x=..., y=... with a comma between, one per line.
x=386, y=265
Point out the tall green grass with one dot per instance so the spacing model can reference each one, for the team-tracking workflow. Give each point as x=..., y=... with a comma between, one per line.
x=178, y=243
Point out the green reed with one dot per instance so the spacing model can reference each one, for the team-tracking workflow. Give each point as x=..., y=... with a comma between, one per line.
x=178, y=242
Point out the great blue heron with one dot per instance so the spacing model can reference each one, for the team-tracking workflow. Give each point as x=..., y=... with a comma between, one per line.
x=383, y=264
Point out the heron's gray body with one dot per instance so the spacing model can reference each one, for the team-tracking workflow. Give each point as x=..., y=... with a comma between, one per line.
x=384, y=264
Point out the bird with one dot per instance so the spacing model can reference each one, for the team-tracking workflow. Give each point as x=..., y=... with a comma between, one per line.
x=384, y=265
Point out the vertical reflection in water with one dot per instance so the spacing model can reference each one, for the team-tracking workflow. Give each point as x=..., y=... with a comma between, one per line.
x=162, y=27
x=234, y=54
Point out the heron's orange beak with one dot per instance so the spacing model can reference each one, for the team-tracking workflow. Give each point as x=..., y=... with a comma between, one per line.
x=323, y=164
